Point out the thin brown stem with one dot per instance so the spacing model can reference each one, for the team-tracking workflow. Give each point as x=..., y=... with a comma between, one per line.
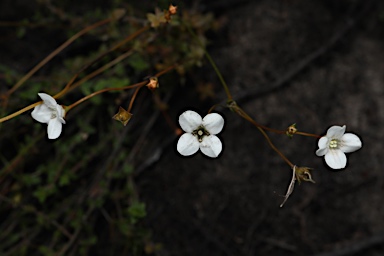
x=275, y=130
x=308, y=134
x=102, y=91
x=55, y=52
x=66, y=87
x=133, y=99
x=260, y=128
x=6, y=118
x=117, y=46
x=108, y=65
x=95, y=73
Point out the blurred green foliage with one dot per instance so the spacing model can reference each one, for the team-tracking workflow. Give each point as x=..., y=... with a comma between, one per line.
x=76, y=195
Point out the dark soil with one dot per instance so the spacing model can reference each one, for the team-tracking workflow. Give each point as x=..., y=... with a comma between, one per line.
x=315, y=63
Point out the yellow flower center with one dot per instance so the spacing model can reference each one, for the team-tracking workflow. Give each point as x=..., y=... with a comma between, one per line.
x=334, y=144
x=200, y=133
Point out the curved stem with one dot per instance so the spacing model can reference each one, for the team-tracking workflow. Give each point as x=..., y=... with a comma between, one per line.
x=213, y=107
x=218, y=73
x=274, y=130
x=213, y=64
x=248, y=118
x=106, y=66
x=308, y=134
x=133, y=99
x=6, y=118
x=102, y=91
x=274, y=147
x=94, y=73
x=54, y=53
x=62, y=92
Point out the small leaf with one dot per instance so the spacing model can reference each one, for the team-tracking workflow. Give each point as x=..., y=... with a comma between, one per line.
x=138, y=63
x=136, y=211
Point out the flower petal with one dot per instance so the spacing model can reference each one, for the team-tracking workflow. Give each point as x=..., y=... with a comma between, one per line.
x=336, y=132
x=190, y=121
x=54, y=129
x=187, y=144
x=323, y=146
x=213, y=123
x=336, y=159
x=211, y=146
x=350, y=143
x=61, y=113
x=48, y=100
x=41, y=113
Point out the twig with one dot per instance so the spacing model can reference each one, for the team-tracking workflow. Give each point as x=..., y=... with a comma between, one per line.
x=55, y=52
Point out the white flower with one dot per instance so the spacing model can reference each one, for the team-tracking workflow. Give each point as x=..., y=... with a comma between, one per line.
x=51, y=113
x=200, y=133
x=335, y=144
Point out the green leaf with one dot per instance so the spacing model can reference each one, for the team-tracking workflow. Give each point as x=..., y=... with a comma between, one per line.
x=138, y=63
x=20, y=32
x=42, y=193
x=46, y=251
x=136, y=211
x=30, y=92
x=30, y=179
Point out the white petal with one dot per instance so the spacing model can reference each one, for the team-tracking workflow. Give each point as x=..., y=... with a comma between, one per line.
x=42, y=113
x=54, y=129
x=350, y=143
x=187, y=144
x=61, y=113
x=213, y=123
x=211, y=146
x=48, y=100
x=336, y=132
x=336, y=159
x=323, y=146
x=190, y=121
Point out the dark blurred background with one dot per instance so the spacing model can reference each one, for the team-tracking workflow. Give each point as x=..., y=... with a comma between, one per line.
x=126, y=190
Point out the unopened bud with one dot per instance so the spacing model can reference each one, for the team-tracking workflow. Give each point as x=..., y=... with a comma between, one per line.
x=172, y=9
x=291, y=130
x=153, y=83
x=122, y=116
x=304, y=173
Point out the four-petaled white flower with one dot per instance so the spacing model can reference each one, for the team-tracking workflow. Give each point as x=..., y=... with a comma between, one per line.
x=51, y=113
x=200, y=133
x=335, y=144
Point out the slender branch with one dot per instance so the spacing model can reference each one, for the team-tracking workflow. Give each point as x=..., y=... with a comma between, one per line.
x=55, y=52
x=113, y=62
x=218, y=73
x=6, y=118
x=248, y=118
x=102, y=91
x=213, y=64
x=133, y=99
x=95, y=73
x=30, y=208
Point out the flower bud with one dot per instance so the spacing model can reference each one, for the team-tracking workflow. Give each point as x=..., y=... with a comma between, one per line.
x=122, y=116
x=304, y=173
x=291, y=130
x=153, y=83
x=172, y=10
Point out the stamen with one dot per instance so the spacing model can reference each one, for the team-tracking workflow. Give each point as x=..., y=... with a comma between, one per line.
x=333, y=144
